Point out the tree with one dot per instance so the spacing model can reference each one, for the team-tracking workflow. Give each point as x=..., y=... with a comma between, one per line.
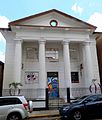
x=14, y=88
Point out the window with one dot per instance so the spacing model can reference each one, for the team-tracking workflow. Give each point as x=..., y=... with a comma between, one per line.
x=52, y=54
x=91, y=99
x=53, y=23
x=99, y=97
x=31, y=53
x=73, y=54
x=74, y=77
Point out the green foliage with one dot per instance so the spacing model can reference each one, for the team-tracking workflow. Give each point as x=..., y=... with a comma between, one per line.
x=14, y=88
x=15, y=85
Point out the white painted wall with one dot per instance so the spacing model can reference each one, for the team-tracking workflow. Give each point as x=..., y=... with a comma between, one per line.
x=51, y=37
x=54, y=37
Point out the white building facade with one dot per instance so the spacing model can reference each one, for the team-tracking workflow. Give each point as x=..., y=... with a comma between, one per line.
x=50, y=50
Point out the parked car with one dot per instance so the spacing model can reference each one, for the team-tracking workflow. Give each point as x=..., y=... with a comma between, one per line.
x=89, y=106
x=14, y=108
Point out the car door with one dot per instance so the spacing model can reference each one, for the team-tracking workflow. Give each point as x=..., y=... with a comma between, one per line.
x=91, y=106
x=99, y=103
x=4, y=107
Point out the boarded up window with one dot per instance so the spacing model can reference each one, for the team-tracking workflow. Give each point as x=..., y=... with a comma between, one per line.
x=31, y=53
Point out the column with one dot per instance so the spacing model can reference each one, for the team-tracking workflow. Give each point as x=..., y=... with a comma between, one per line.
x=88, y=69
x=17, y=60
x=9, y=64
x=67, y=69
x=42, y=74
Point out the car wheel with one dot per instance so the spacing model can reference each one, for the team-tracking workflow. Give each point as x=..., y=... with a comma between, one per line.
x=77, y=115
x=14, y=116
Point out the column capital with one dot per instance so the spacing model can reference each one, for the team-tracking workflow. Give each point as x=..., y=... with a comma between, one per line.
x=86, y=43
x=42, y=40
x=18, y=40
x=65, y=42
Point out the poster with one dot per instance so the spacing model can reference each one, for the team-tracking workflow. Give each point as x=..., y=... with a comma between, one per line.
x=31, y=77
x=53, y=85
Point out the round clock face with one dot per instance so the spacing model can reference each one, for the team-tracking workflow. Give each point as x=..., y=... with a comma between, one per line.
x=53, y=23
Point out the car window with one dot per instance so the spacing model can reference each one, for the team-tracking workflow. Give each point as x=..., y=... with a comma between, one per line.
x=99, y=97
x=91, y=99
x=81, y=98
x=9, y=101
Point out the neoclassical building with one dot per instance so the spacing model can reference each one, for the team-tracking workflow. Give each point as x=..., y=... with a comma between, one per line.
x=50, y=50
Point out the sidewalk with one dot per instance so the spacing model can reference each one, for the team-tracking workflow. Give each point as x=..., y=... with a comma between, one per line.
x=44, y=113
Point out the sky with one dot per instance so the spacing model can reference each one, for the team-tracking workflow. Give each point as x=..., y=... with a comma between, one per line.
x=87, y=10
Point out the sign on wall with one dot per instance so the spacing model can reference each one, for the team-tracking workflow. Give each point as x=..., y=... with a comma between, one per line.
x=74, y=77
x=31, y=77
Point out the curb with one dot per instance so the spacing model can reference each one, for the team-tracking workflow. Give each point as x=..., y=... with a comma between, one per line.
x=43, y=115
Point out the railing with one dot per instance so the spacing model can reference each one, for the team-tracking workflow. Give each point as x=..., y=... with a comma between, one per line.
x=38, y=96
x=41, y=93
x=28, y=93
x=79, y=92
x=41, y=97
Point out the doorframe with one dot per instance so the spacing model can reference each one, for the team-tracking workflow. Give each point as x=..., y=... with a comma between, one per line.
x=57, y=79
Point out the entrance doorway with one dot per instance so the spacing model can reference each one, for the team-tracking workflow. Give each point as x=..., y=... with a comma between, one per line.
x=53, y=84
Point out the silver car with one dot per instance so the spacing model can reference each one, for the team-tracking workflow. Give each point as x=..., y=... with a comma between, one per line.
x=14, y=108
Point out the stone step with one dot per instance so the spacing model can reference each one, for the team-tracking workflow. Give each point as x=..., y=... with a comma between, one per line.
x=56, y=103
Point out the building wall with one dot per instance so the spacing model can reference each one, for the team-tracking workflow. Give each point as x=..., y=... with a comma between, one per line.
x=1, y=76
x=76, y=58
x=99, y=54
x=72, y=37
x=30, y=39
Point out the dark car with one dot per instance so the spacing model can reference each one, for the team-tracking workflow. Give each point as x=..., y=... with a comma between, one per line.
x=89, y=106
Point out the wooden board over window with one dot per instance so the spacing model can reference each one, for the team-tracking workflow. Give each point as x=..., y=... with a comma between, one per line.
x=31, y=53
x=52, y=54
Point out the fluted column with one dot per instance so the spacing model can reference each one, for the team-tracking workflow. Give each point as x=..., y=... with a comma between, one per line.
x=17, y=60
x=67, y=68
x=42, y=74
x=88, y=69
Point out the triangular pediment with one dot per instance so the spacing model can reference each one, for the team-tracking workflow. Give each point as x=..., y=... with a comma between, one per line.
x=50, y=18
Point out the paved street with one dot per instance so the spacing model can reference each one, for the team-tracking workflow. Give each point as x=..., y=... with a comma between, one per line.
x=45, y=118
x=52, y=118
x=47, y=115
